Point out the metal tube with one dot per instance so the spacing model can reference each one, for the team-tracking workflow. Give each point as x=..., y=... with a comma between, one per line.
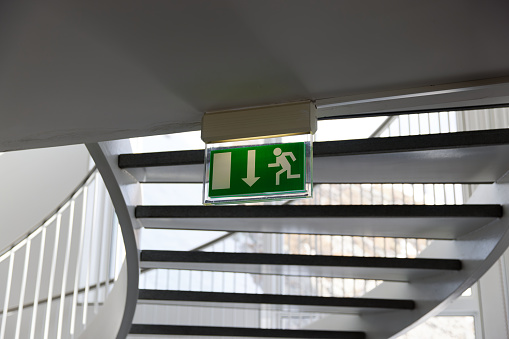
x=100, y=259
x=77, y=276
x=90, y=254
x=118, y=244
x=23, y=287
x=109, y=230
x=52, y=277
x=38, y=282
x=66, y=269
x=114, y=246
x=7, y=294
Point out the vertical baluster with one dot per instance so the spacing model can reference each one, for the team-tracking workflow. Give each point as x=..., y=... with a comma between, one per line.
x=23, y=287
x=395, y=248
x=118, y=250
x=478, y=122
x=90, y=254
x=382, y=187
x=7, y=294
x=66, y=269
x=393, y=196
x=448, y=122
x=413, y=194
x=234, y=274
x=114, y=247
x=331, y=245
x=52, y=276
x=487, y=119
x=79, y=260
x=453, y=121
x=299, y=247
x=38, y=282
x=109, y=247
x=100, y=260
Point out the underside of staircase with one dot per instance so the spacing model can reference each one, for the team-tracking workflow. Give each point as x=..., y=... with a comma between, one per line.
x=463, y=240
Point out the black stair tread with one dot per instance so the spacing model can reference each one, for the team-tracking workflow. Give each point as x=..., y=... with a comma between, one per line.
x=376, y=268
x=461, y=157
x=319, y=211
x=414, y=221
x=298, y=260
x=222, y=297
x=241, y=332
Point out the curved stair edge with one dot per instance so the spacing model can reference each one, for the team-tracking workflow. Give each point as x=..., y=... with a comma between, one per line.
x=125, y=193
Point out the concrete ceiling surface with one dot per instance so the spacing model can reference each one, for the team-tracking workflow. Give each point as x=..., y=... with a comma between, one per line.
x=82, y=71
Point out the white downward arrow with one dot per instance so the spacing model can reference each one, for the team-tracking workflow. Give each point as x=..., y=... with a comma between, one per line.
x=251, y=179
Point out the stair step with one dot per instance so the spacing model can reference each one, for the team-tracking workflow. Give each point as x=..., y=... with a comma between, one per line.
x=275, y=299
x=462, y=157
x=241, y=332
x=378, y=268
x=412, y=221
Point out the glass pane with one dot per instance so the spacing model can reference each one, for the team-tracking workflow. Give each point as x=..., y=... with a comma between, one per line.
x=443, y=328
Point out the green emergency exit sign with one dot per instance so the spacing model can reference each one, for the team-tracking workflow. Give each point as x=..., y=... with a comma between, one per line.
x=266, y=170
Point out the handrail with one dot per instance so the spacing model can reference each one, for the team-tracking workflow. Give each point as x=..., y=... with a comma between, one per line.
x=85, y=219
x=58, y=296
x=52, y=213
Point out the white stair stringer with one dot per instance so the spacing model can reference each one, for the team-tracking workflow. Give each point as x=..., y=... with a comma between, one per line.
x=125, y=193
x=477, y=250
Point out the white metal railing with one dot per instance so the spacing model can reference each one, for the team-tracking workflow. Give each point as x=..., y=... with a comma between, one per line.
x=54, y=279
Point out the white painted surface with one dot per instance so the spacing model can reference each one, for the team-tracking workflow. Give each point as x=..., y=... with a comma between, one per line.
x=33, y=184
x=493, y=298
x=155, y=67
x=107, y=321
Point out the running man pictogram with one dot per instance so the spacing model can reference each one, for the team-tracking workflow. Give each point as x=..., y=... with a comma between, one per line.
x=282, y=160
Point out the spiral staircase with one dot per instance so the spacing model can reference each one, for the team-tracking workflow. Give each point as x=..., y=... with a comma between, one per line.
x=469, y=237
x=85, y=72
x=278, y=270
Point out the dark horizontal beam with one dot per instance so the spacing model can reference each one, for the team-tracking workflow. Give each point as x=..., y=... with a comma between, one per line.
x=417, y=111
x=412, y=143
x=172, y=158
x=320, y=211
x=275, y=299
x=341, y=148
x=298, y=260
x=241, y=332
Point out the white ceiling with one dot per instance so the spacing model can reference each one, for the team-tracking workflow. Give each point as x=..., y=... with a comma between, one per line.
x=81, y=71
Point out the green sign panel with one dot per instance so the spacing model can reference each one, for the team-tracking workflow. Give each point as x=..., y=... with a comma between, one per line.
x=258, y=171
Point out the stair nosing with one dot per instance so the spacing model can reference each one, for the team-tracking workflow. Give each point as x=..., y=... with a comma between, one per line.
x=320, y=211
x=243, y=332
x=299, y=260
x=414, y=143
x=276, y=299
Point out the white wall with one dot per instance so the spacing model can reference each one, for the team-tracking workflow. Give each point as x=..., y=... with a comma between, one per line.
x=494, y=300
x=33, y=183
